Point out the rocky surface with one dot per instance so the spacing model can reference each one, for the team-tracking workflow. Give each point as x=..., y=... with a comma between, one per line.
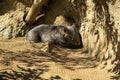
x=11, y=20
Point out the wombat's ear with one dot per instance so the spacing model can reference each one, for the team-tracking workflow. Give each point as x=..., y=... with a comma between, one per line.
x=71, y=28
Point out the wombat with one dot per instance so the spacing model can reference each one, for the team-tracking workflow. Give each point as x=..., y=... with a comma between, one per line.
x=65, y=36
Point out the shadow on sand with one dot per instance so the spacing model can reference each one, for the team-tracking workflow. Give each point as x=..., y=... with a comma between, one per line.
x=68, y=58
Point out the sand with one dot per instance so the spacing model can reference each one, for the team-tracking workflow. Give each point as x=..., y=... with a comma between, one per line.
x=25, y=61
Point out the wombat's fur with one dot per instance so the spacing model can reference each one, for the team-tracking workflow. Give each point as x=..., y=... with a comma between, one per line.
x=65, y=36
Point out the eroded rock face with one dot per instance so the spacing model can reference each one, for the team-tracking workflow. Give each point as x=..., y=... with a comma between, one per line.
x=61, y=20
x=100, y=31
x=11, y=25
x=11, y=19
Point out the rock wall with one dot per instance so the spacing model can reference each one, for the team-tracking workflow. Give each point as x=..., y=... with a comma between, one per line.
x=12, y=13
x=100, y=32
x=72, y=10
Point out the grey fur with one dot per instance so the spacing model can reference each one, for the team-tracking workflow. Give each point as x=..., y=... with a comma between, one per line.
x=66, y=36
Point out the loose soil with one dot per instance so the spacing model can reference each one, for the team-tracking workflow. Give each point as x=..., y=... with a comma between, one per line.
x=23, y=61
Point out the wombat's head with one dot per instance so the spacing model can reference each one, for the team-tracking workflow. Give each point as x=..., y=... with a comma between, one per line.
x=70, y=37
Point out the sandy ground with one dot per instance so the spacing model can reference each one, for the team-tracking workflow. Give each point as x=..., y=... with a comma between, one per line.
x=22, y=61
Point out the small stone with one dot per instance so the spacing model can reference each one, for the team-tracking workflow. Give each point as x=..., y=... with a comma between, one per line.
x=8, y=33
